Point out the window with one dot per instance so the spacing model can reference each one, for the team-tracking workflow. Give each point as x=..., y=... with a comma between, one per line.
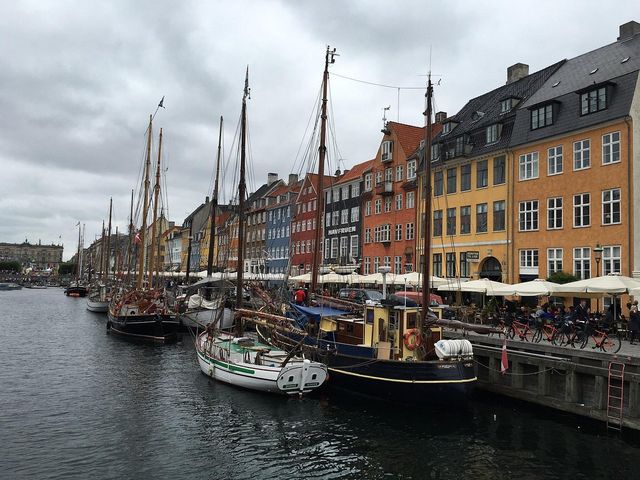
x=378, y=177
x=554, y=160
x=399, y=202
x=399, y=173
x=354, y=247
x=593, y=101
x=344, y=246
x=335, y=220
x=334, y=247
x=344, y=216
x=582, y=262
x=505, y=105
x=529, y=262
x=387, y=150
x=528, y=166
x=355, y=214
x=499, y=215
x=465, y=219
x=411, y=169
x=581, y=210
x=528, y=215
x=368, y=178
x=499, y=164
x=464, y=265
x=410, y=197
x=460, y=142
x=437, y=264
x=611, y=148
x=451, y=264
x=385, y=233
x=327, y=244
x=481, y=217
x=581, y=156
x=492, y=133
x=367, y=235
x=367, y=265
x=611, y=206
x=376, y=264
x=465, y=177
x=554, y=260
x=542, y=117
x=437, y=223
x=397, y=265
x=367, y=208
x=610, y=260
x=355, y=190
x=388, y=174
x=437, y=183
x=398, y=235
x=378, y=205
x=451, y=180
x=482, y=174
x=409, y=235
x=387, y=204
x=435, y=150
x=554, y=213
x=451, y=221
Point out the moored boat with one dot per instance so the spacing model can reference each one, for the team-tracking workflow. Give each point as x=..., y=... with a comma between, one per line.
x=10, y=286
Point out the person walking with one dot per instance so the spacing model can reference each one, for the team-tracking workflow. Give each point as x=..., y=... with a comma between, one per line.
x=299, y=296
x=634, y=321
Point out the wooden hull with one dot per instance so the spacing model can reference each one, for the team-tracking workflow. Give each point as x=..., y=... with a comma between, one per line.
x=76, y=291
x=156, y=328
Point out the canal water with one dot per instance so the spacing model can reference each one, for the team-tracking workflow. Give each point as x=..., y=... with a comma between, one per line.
x=76, y=402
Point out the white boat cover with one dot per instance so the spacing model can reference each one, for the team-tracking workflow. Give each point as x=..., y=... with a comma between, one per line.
x=446, y=349
x=196, y=301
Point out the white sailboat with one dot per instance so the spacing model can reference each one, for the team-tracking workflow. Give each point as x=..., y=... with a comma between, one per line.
x=239, y=360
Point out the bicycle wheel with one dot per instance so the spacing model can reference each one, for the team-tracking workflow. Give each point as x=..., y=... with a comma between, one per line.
x=583, y=338
x=611, y=344
x=511, y=332
x=558, y=338
x=537, y=336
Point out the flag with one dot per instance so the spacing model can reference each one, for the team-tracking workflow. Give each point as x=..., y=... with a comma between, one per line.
x=161, y=104
x=137, y=238
x=504, y=363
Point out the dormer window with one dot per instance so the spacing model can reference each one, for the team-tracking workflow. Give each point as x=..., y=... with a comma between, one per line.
x=593, y=100
x=387, y=151
x=505, y=105
x=493, y=133
x=542, y=116
x=448, y=126
x=435, y=151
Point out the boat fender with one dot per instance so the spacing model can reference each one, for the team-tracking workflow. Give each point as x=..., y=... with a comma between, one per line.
x=412, y=339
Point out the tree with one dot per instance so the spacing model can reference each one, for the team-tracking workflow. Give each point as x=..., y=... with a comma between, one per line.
x=10, y=266
x=66, y=268
x=562, y=277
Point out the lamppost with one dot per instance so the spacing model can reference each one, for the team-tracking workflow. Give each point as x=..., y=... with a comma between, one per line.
x=384, y=269
x=598, y=252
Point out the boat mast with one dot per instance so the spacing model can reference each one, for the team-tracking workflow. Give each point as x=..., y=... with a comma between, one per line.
x=322, y=150
x=102, y=253
x=117, y=260
x=145, y=210
x=129, y=247
x=242, y=188
x=426, y=179
x=154, y=226
x=214, y=207
x=108, y=269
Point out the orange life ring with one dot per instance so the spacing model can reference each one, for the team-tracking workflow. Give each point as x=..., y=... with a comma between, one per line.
x=412, y=339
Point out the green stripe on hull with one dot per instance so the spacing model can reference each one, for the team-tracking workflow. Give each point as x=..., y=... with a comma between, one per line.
x=227, y=366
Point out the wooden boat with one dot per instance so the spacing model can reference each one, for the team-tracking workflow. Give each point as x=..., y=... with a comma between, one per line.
x=237, y=360
x=76, y=288
x=10, y=286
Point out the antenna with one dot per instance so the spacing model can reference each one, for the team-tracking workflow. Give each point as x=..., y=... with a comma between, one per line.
x=384, y=116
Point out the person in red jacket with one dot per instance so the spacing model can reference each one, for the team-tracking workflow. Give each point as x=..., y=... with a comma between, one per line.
x=299, y=296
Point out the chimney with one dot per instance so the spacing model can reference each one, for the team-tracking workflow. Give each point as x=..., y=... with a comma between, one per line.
x=337, y=174
x=441, y=117
x=293, y=178
x=628, y=30
x=271, y=178
x=516, y=72
x=206, y=199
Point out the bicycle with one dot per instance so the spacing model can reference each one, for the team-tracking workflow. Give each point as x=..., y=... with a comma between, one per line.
x=602, y=340
x=548, y=331
x=524, y=332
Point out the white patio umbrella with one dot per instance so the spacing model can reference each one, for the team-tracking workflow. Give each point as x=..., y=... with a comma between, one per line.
x=483, y=285
x=415, y=279
x=333, y=278
x=534, y=288
x=611, y=284
x=377, y=278
x=354, y=278
x=304, y=278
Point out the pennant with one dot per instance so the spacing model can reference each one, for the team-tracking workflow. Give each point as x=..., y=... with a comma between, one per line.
x=504, y=363
x=136, y=239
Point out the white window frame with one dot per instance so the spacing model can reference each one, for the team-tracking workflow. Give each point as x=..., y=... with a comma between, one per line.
x=411, y=169
x=554, y=213
x=582, y=262
x=354, y=246
x=355, y=190
x=528, y=216
x=611, y=148
x=554, y=260
x=529, y=261
x=580, y=208
x=399, y=173
x=334, y=247
x=611, y=259
x=367, y=208
x=368, y=182
x=410, y=233
x=355, y=214
x=386, y=154
x=554, y=160
x=581, y=154
x=367, y=265
x=398, y=232
x=611, y=206
x=378, y=206
x=528, y=166
x=410, y=203
x=399, y=202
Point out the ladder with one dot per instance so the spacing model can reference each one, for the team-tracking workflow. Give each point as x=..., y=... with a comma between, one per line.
x=615, y=396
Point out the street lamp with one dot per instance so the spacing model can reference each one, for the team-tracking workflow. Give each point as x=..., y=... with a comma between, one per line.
x=598, y=252
x=384, y=269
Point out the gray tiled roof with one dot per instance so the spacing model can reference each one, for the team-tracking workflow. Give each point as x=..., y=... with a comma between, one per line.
x=574, y=75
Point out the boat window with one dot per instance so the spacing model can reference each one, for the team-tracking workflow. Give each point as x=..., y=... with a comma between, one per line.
x=314, y=376
x=291, y=378
x=411, y=320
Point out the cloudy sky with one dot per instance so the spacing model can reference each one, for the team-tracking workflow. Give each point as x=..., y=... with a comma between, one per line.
x=78, y=81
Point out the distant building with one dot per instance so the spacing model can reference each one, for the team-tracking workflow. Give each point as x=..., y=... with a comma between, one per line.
x=35, y=256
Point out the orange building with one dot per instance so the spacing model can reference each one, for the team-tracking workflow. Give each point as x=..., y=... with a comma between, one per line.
x=389, y=201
